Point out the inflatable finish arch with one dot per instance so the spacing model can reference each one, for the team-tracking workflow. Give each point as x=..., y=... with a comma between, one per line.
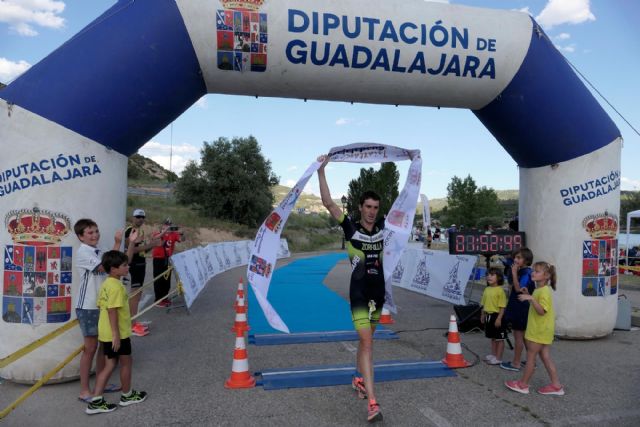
x=71, y=121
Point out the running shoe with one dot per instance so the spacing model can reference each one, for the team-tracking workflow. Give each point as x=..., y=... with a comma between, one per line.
x=358, y=385
x=99, y=407
x=139, y=331
x=509, y=367
x=373, y=412
x=488, y=357
x=552, y=390
x=494, y=361
x=133, y=398
x=143, y=325
x=517, y=386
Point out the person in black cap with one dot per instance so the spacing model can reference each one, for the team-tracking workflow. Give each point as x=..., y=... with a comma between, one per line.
x=138, y=265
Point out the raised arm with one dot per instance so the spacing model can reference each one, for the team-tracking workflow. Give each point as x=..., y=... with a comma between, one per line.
x=325, y=194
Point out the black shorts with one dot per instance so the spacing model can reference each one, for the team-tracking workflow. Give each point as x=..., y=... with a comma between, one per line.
x=124, y=350
x=137, y=275
x=490, y=329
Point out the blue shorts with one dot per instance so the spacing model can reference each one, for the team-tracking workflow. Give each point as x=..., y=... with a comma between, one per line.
x=88, y=321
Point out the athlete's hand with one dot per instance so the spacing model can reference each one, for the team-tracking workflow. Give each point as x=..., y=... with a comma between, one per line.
x=324, y=159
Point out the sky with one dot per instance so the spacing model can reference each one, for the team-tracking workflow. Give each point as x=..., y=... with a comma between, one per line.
x=600, y=37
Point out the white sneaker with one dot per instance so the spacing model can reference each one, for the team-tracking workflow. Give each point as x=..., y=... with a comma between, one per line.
x=488, y=357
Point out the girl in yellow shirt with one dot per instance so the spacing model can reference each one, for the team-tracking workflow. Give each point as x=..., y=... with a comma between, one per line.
x=540, y=329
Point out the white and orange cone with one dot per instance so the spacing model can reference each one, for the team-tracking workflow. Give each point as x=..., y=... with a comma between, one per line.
x=241, y=322
x=240, y=376
x=454, y=358
x=240, y=294
x=385, y=317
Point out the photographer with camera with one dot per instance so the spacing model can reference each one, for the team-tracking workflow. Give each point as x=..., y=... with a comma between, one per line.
x=169, y=234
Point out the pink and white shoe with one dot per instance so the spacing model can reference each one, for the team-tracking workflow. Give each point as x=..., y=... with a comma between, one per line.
x=517, y=386
x=552, y=390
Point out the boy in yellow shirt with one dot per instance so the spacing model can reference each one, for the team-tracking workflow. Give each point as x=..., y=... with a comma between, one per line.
x=114, y=330
x=493, y=302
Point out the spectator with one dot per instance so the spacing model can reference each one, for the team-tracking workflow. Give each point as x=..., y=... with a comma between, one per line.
x=138, y=265
x=169, y=234
x=633, y=255
x=88, y=264
x=114, y=330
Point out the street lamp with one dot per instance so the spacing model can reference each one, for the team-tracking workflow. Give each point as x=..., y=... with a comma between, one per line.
x=344, y=208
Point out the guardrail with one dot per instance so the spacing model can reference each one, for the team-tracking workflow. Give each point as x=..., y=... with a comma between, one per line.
x=145, y=192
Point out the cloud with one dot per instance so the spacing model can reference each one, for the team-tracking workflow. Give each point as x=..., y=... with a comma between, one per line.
x=524, y=9
x=558, y=12
x=23, y=15
x=161, y=154
x=292, y=168
x=566, y=49
x=629, y=184
x=153, y=147
x=563, y=36
x=9, y=70
x=343, y=121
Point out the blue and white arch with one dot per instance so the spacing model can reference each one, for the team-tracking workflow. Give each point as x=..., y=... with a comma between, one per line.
x=132, y=71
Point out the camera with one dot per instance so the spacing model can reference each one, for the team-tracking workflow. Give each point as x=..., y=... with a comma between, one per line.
x=174, y=228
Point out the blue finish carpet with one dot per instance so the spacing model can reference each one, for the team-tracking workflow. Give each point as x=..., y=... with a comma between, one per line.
x=306, y=305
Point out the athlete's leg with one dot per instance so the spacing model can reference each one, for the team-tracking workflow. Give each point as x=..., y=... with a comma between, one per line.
x=365, y=359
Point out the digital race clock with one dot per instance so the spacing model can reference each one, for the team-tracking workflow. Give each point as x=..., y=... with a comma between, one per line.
x=477, y=242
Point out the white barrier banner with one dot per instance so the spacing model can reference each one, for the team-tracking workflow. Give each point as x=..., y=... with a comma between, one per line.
x=197, y=266
x=434, y=273
x=398, y=223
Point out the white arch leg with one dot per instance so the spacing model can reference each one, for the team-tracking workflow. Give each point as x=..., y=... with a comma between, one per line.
x=555, y=204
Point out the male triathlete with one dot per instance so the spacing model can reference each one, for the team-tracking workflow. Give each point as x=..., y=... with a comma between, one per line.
x=366, y=293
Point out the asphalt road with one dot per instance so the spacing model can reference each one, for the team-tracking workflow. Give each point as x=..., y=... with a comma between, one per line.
x=187, y=357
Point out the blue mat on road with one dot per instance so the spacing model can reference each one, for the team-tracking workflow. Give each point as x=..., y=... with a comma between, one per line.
x=319, y=376
x=324, y=336
x=303, y=302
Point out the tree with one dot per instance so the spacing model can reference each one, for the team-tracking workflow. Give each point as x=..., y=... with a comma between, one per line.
x=471, y=206
x=383, y=181
x=233, y=181
x=629, y=201
x=461, y=201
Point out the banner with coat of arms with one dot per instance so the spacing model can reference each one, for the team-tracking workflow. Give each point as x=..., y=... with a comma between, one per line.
x=242, y=36
x=37, y=270
x=600, y=256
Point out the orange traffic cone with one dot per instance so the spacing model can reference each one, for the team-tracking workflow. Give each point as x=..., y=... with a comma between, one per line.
x=240, y=376
x=385, y=317
x=454, y=358
x=241, y=317
x=240, y=293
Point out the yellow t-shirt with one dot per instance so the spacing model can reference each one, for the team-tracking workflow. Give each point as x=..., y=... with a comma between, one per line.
x=493, y=299
x=113, y=295
x=540, y=328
